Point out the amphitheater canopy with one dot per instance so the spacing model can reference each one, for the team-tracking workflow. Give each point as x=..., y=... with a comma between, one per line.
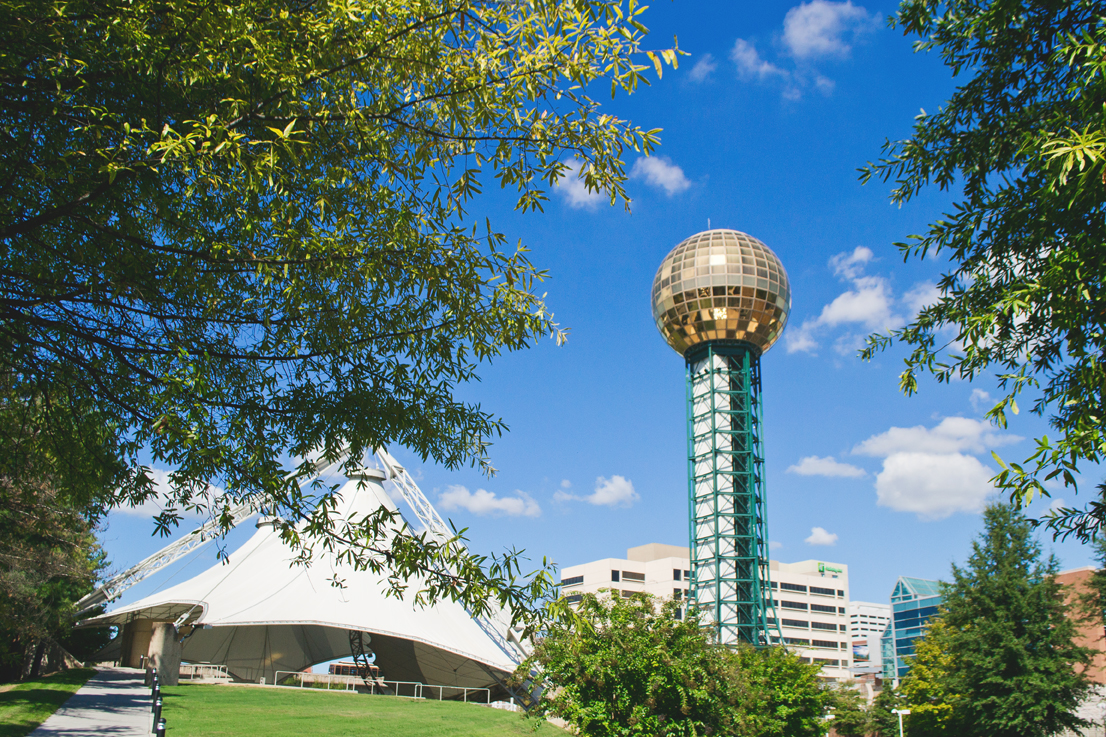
x=259, y=613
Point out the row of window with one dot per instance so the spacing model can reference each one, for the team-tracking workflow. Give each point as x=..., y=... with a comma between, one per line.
x=798, y=587
x=829, y=644
x=802, y=623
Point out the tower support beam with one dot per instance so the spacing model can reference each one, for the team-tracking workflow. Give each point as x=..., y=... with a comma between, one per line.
x=729, y=537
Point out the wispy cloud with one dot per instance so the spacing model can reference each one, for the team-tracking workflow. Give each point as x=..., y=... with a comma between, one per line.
x=981, y=401
x=660, y=172
x=821, y=29
x=572, y=187
x=164, y=487
x=813, y=33
x=483, y=502
x=815, y=466
x=703, y=68
x=868, y=304
x=617, y=491
x=749, y=63
x=819, y=536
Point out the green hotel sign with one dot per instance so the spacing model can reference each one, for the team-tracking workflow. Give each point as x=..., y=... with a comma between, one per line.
x=823, y=568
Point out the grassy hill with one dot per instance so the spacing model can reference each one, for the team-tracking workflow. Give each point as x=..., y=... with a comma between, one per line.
x=26, y=705
x=195, y=710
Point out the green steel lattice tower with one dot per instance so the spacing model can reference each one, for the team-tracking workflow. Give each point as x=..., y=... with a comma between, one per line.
x=721, y=298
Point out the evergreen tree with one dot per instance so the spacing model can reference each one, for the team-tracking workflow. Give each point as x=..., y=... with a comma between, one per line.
x=1000, y=659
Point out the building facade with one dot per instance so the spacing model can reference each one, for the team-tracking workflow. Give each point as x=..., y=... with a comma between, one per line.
x=811, y=597
x=867, y=623
x=914, y=602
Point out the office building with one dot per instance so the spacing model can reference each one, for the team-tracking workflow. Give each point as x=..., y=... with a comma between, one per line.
x=867, y=622
x=913, y=602
x=811, y=597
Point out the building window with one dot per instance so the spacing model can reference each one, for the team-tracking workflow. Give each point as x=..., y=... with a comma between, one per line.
x=793, y=605
x=775, y=585
x=823, y=608
x=796, y=641
x=824, y=643
x=679, y=614
x=824, y=626
x=631, y=576
x=820, y=590
x=614, y=576
x=677, y=594
x=843, y=628
x=687, y=575
x=841, y=609
x=795, y=623
x=676, y=574
x=572, y=581
x=841, y=593
x=627, y=594
x=574, y=598
x=793, y=587
x=827, y=661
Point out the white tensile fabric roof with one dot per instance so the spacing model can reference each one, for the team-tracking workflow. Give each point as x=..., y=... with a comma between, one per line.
x=266, y=615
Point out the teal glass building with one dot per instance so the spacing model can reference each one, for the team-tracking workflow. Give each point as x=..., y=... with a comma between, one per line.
x=913, y=603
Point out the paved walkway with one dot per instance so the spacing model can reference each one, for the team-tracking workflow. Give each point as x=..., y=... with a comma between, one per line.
x=115, y=701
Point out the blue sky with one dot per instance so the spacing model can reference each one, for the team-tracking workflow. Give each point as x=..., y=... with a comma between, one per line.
x=764, y=125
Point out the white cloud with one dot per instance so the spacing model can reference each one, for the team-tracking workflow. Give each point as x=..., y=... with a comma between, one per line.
x=617, y=491
x=566, y=484
x=819, y=536
x=825, y=29
x=703, y=68
x=921, y=295
x=160, y=501
x=868, y=303
x=660, y=172
x=815, y=466
x=927, y=470
x=576, y=193
x=774, y=545
x=485, y=502
x=933, y=485
x=851, y=265
x=951, y=435
x=749, y=64
x=981, y=400
x=613, y=492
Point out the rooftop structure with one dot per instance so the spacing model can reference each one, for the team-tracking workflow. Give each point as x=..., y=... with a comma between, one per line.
x=720, y=299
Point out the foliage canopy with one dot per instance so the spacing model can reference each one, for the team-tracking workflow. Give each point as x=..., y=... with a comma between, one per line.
x=1024, y=136
x=238, y=232
x=630, y=667
x=1000, y=659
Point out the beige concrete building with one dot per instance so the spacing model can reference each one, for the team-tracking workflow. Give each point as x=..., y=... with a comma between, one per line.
x=811, y=597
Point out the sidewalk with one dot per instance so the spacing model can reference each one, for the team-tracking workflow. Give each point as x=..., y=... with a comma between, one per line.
x=115, y=701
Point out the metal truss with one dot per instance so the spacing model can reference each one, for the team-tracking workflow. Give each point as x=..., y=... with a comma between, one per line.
x=729, y=537
x=497, y=626
x=115, y=586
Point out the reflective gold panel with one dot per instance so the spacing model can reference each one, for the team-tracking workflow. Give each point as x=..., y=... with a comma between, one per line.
x=721, y=285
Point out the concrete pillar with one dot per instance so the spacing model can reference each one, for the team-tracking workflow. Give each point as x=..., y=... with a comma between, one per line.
x=136, y=642
x=164, y=653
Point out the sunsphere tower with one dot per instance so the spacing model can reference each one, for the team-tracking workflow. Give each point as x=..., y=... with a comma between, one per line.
x=721, y=298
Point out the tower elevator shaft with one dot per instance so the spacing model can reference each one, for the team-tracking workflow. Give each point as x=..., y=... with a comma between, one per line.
x=729, y=537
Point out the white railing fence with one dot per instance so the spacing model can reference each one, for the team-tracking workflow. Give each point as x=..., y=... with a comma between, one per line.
x=193, y=671
x=380, y=686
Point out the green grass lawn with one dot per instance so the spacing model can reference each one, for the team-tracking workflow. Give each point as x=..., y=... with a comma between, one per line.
x=29, y=704
x=194, y=710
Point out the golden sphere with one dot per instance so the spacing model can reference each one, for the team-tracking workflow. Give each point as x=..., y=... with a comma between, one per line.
x=721, y=285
